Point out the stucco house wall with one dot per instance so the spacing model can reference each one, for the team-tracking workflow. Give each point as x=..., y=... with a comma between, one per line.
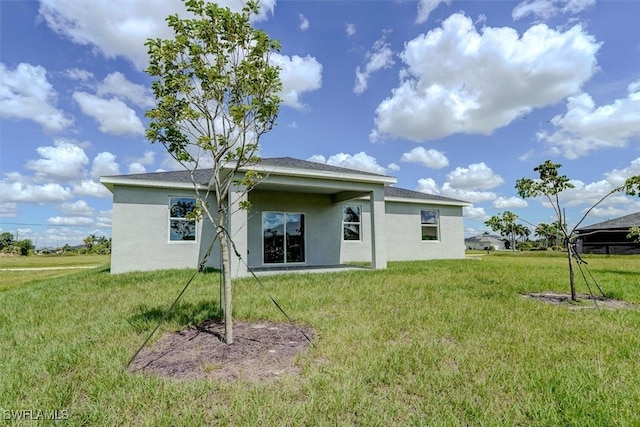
x=322, y=222
x=403, y=228
x=390, y=221
x=140, y=239
x=403, y=234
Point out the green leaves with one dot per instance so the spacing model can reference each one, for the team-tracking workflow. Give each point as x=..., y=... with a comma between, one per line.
x=550, y=182
x=632, y=186
x=215, y=88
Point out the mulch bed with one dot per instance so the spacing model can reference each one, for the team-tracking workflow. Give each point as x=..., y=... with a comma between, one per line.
x=593, y=302
x=260, y=352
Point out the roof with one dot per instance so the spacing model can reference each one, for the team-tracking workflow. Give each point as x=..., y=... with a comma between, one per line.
x=272, y=165
x=278, y=165
x=290, y=162
x=401, y=193
x=484, y=238
x=624, y=222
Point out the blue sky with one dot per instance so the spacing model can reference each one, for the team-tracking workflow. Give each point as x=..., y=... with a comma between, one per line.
x=457, y=98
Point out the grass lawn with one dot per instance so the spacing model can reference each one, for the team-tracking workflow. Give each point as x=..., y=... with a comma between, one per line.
x=42, y=267
x=423, y=343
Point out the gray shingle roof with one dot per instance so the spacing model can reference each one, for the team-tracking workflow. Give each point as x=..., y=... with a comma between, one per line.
x=624, y=222
x=306, y=164
x=204, y=175
x=410, y=194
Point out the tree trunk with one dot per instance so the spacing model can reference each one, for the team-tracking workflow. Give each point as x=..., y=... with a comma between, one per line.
x=572, y=282
x=226, y=273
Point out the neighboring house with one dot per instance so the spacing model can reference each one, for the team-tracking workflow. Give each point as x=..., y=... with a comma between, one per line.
x=485, y=242
x=608, y=237
x=303, y=214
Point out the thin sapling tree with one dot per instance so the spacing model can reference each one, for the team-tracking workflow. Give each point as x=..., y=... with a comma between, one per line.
x=550, y=185
x=216, y=95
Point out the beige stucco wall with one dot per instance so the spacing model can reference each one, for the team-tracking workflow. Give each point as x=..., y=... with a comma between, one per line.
x=403, y=234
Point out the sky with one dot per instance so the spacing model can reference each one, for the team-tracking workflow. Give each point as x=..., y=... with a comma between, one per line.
x=455, y=98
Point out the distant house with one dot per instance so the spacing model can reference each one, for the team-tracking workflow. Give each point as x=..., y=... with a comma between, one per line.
x=485, y=242
x=608, y=237
x=303, y=215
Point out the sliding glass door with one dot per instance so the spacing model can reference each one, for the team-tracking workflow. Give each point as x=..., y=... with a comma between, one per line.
x=283, y=237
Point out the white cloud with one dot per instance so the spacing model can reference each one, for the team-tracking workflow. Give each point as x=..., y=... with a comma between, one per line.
x=545, y=9
x=148, y=158
x=117, y=84
x=104, y=218
x=431, y=158
x=359, y=161
x=304, y=22
x=79, y=74
x=120, y=29
x=509, y=203
x=16, y=189
x=617, y=177
x=585, y=127
x=393, y=167
x=454, y=78
x=70, y=220
x=62, y=162
x=476, y=176
x=380, y=57
x=25, y=93
x=473, y=212
x=298, y=75
x=427, y=185
x=91, y=188
x=113, y=115
x=425, y=7
x=77, y=208
x=104, y=164
x=136, y=167
x=350, y=29
x=8, y=210
x=472, y=196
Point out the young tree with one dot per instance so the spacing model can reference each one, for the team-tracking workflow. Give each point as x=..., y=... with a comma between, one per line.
x=550, y=184
x=505, y=224
x=216, y=95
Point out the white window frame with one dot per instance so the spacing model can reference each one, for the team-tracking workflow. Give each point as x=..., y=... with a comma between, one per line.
x=427, y=224
x=358, y=223
x=172, y=219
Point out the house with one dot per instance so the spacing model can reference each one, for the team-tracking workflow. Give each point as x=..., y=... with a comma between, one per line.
x=303, y=215
x=485, y=242
x=608, y=237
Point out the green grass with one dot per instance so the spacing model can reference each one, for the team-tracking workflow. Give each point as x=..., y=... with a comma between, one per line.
x=35, y=268
x=422, y=343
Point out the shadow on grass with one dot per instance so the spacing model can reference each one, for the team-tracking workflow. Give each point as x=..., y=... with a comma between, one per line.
x=183, y=314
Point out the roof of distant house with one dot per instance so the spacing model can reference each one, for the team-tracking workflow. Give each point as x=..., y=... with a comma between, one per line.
x=484, y=238
x=624, y=222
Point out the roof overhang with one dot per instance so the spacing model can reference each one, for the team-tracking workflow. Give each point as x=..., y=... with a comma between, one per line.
x=427, y=201
x=273, y=178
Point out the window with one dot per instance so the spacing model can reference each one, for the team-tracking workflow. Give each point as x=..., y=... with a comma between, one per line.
x=430, y=222
x=283, y=237
x=181, y=226
x=351, y=222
